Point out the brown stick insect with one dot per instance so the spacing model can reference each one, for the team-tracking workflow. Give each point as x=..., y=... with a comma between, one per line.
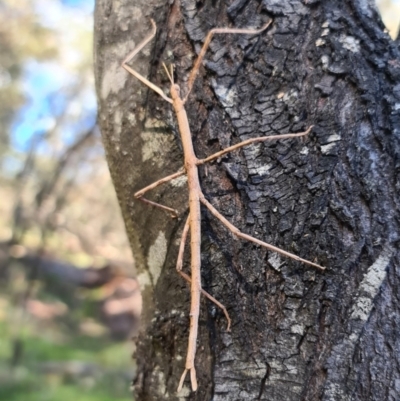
x=196, y=196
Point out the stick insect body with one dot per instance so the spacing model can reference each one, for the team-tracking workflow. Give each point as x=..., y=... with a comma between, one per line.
x=191, y=163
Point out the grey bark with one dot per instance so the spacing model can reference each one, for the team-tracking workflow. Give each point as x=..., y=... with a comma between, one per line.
x=297, y=334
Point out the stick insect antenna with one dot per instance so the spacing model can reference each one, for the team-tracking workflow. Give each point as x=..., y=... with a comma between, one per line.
x=170, y=75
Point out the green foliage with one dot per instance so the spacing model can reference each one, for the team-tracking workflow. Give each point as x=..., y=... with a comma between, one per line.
x=58, y=360
x=58, y=365
x=31, y=389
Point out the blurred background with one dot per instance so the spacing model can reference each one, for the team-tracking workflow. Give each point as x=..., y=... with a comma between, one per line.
x=69, y=301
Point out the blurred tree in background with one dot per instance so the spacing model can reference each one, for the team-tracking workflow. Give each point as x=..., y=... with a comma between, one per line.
x=48, y=134
x=20, y=38
x=66, y=271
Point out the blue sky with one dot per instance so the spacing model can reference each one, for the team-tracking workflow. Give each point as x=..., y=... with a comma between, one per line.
x=82, y=4
x=47, y=84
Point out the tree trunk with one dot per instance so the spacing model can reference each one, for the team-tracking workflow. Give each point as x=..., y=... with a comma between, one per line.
x=297, y=334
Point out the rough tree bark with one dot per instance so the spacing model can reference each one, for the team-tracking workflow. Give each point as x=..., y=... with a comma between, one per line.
x=297, y=334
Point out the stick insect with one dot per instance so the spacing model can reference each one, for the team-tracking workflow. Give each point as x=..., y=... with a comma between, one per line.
x=196, y=196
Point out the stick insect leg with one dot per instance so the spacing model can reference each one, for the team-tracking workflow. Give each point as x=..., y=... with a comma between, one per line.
x=249, y=142
x=207, y=42
x=179, y=264
x=173, y=212
x=139, y=194
x=140, y=77
x=247, y=237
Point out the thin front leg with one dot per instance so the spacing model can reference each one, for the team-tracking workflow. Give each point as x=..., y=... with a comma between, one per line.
x=157, y=183
x=207, y=42
x=247, y=237
x=139, y=194
x=249, y=142
x=173, y=212
x=140, y=77
x=179, y=264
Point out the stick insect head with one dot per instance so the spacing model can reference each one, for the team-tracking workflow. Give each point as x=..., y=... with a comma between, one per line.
x=175, y=90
